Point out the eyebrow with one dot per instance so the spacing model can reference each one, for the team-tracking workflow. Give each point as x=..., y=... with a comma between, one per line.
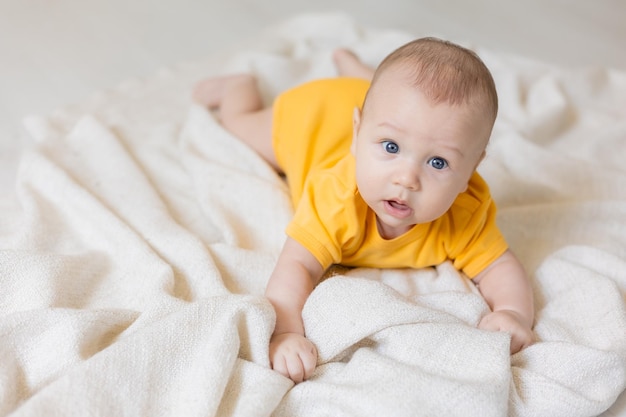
x=387, y=124
x=455, y=149
x=390, y=125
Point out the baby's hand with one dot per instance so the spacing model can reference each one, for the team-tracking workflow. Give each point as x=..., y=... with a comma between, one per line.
x=510, y=322
x=293, y=355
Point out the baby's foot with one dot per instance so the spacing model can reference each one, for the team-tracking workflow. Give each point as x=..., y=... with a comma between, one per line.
x=210, y=92
x=349, y=65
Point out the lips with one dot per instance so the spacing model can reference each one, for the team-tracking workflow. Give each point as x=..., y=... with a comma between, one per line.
x=397, y=208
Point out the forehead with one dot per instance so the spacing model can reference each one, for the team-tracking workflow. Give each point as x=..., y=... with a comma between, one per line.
x=395, y=100
x=438, y=85
x=401, y=77
x=395, y=94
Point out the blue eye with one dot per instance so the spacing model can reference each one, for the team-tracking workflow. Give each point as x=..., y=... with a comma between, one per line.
x=438, y=163
x=390, y=147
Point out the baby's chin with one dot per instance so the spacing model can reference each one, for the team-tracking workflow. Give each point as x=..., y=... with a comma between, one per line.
x=391, y=228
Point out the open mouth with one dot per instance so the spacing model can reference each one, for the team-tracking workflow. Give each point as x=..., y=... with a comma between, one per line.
x=397, y=208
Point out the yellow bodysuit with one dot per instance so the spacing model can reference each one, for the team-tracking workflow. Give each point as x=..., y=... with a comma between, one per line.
x=312, y=134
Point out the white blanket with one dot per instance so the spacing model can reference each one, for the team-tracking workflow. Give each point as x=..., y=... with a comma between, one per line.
x=132, y=279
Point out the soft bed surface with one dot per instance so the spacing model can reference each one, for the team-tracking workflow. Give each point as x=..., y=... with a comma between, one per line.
x=133, y=272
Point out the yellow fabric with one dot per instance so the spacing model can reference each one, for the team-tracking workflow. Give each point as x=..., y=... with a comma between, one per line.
x=307, y=134
x=312, y=137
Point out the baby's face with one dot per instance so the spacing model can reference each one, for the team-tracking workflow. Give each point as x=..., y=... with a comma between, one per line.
x=413, y=158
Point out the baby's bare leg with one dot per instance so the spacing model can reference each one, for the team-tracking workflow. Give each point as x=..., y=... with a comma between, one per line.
x=349, y=65
x=241, y=111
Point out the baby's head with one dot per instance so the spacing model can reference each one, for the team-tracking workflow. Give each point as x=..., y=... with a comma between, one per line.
x=423, y=130
x=445, y=73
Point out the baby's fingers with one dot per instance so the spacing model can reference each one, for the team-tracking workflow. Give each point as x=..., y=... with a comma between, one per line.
x=293, y=356
x=301, y=365
x=309, y=361
x=279, y=364
x=491, y=322
x=521, y=338
x=505, y=321
x=295, y=368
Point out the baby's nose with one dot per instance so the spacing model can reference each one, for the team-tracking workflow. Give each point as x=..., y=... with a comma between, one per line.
x=408, y=178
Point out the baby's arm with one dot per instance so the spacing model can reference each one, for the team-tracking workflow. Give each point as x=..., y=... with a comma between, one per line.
x=294, y=277
x=506, y=288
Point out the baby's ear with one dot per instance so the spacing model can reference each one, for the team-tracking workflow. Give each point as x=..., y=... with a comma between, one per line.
x=482, y=156
x=356, y=123
x=480, y=159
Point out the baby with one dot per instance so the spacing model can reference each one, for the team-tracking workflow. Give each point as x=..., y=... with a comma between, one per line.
x=382, y=172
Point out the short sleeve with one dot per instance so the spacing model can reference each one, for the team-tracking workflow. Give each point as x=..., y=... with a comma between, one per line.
x=326, y=217
x=477, y=239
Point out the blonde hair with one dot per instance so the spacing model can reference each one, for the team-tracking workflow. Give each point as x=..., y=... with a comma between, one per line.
x=445, y=72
